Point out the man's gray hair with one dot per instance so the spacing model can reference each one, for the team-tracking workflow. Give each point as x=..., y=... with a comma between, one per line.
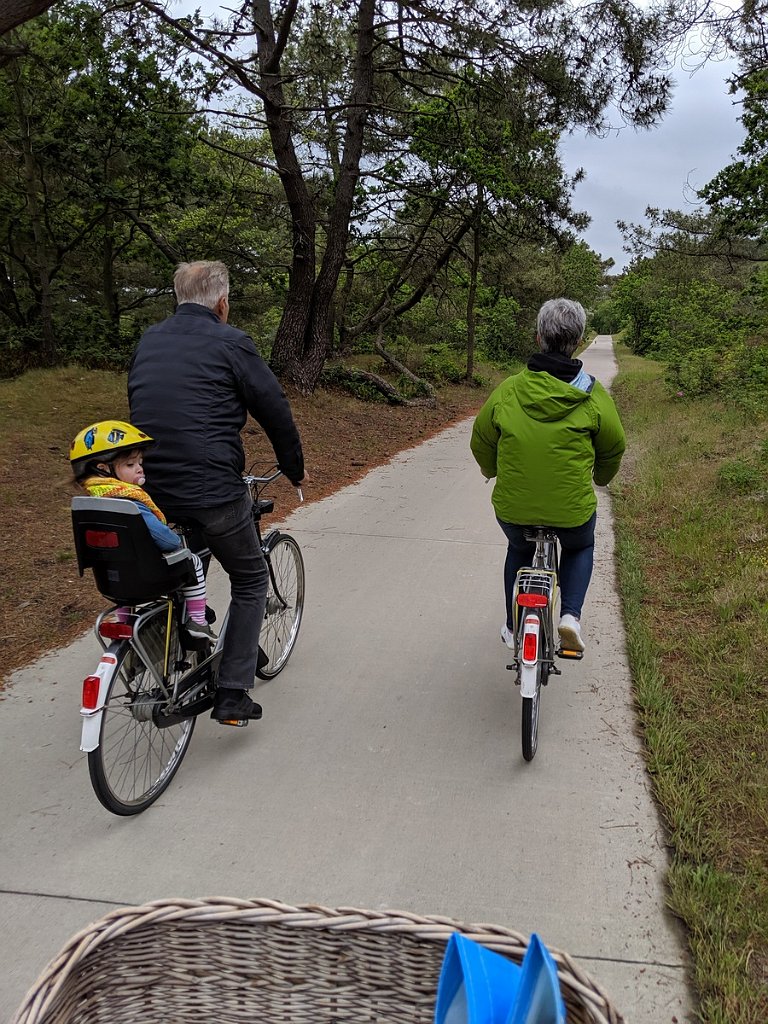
x=560, y=326
x=203, y=282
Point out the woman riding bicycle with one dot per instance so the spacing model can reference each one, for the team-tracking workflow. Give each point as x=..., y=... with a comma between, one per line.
x=545, y=434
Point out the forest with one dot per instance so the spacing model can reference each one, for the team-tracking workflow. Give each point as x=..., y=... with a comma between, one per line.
x=379, y=177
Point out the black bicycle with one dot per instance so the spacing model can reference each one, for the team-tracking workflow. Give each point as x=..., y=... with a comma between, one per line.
x=140, y=706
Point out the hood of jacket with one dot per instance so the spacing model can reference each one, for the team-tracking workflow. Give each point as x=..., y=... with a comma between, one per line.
x=546, y=398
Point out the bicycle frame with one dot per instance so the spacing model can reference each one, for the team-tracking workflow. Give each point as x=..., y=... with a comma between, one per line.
x=535, y=597
x=93, y=710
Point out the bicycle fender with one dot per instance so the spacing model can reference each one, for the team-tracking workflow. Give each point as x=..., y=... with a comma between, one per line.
x=89, y=737
x=528, y=664
x=271, y=539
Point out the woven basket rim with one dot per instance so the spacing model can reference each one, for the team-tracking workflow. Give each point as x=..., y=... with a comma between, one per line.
x=269, y=912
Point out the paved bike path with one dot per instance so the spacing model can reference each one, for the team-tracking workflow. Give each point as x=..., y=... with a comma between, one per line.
x=386, y=772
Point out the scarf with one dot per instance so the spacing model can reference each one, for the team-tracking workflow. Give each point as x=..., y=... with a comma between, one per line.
x=101, y=487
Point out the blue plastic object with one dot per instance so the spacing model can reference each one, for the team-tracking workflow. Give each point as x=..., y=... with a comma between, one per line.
x=538, y=998
x=478, y=986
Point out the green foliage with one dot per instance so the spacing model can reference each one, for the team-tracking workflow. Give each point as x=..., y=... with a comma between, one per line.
x=607, y=318
x=740, y=476
x=439, y=365
x=344, y=379
x=582, y=274
x=709, y=327
x=500, y=336
x=90, y=339
x=739, y=193
x=430, y=323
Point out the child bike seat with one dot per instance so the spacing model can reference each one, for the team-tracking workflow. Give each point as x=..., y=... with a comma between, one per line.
x=112, y=539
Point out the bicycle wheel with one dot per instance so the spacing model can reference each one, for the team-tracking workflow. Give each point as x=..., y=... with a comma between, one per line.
x=138, y=755
x=285, y=604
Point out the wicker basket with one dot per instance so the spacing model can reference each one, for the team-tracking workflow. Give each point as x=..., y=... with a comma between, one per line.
x=227, y=961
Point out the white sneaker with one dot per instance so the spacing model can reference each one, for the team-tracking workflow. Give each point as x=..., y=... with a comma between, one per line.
x=570, y=633
x=508, y=637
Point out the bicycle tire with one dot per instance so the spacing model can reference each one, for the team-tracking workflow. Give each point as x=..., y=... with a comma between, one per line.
x=136, y=760
x=285, y=605
x=531, y=706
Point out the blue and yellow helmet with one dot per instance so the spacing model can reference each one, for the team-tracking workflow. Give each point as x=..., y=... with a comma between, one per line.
x=102, y=441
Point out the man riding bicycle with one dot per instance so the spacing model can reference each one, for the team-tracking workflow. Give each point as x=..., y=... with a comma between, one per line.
x=545, y=434
x=193, y=381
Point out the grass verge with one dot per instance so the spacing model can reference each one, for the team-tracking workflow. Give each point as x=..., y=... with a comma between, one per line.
x=692, y=547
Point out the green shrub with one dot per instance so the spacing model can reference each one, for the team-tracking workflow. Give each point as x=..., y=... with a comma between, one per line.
x=440, y=366
x=500, y=335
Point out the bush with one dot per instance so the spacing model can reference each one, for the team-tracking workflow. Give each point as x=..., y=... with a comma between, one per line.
x=738, y=373
x=440, y=366
x=607, y=318
x=499, y=334
x=427, y=324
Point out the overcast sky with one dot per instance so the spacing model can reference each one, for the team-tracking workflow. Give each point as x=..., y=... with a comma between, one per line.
x=629, y=170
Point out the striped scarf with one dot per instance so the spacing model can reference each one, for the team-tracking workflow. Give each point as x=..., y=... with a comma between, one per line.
x=101, y=487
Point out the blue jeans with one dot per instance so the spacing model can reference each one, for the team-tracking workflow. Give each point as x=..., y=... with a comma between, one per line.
x=577, y=550
x=230, y=533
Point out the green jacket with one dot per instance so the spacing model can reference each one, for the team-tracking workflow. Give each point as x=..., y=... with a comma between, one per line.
x=544, y=441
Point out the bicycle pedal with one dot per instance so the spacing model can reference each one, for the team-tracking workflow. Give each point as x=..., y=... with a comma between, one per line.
x=570, y=655
x=238, y=723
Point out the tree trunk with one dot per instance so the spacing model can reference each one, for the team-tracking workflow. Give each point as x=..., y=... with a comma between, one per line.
x=474, y=268
x=109, y=288
x=41, y=262
x=303, y=338
x=431, y=398
x=342, y=301
x=385, y=311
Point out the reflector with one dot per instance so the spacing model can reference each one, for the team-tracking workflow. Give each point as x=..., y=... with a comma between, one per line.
x=532, y=600
x=112, y=630
x=91, y=692
x=102, y=539
x=529, y=646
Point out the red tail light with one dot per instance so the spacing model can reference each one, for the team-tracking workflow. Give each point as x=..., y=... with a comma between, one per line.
x=532, y=600
x=102, y=539
x=112, y=630
x=91, y=692
x=530, y=643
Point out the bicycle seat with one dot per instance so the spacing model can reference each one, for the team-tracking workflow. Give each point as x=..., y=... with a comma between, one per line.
x=112, y=539
x=533, y=533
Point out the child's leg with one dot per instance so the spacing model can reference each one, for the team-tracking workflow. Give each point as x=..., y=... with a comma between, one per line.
x=194, y=596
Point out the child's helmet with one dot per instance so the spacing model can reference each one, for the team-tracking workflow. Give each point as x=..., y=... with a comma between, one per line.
x=102, y=441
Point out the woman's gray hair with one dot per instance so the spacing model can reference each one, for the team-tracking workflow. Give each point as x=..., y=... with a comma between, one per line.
x=202, y=282
x=560, y=326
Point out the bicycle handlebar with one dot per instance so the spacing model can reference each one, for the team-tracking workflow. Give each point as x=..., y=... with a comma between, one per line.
x=249, y=478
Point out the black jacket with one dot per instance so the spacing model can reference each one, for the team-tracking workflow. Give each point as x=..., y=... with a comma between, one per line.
x=192, y=382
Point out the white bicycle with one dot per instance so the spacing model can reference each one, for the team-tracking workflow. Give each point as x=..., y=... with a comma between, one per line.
x=536, y=597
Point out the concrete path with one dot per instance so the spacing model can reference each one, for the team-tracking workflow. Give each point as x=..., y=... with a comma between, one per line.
x=386, y=772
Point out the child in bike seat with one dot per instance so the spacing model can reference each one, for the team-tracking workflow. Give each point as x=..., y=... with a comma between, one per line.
x=107, y=460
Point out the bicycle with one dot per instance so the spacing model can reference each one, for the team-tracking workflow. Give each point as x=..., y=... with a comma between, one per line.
x=536, y=595
x=140, y=706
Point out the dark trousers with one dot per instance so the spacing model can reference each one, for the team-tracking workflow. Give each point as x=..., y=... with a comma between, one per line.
x=230, y=533
x=577, y=551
